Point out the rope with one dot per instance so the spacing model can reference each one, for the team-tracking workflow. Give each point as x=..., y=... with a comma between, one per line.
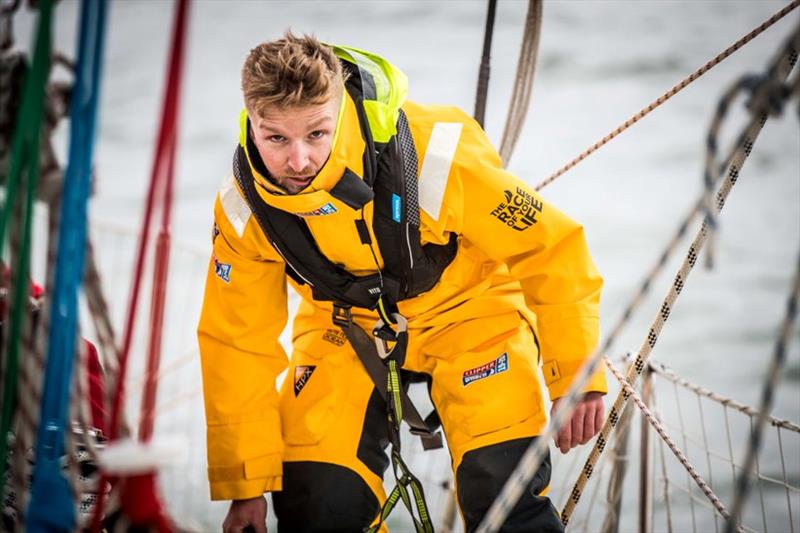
x=532, y=458
x=629, y=392
x=743, y=148
x=672, y=92
x=485, y=68
x=139, y=498
x=51, y=507
x=767, y=394
x=23, y=166
x=523, y=84
x=665, y=372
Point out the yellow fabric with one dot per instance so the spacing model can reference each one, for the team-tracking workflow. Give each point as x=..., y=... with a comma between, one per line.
x=502, y=281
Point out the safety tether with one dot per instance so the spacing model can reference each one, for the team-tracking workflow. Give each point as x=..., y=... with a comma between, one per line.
x=139, y=496
x=52, y=502
x=383, y=366
x=23, y=171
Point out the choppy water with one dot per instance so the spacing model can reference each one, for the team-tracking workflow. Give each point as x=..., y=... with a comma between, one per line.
x=599, y=63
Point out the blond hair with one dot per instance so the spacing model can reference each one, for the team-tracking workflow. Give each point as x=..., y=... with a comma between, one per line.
x=290, y=72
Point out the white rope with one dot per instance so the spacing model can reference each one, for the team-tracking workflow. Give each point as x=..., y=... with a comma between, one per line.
x=665, y=372
x=523, y=84
x=632, y=394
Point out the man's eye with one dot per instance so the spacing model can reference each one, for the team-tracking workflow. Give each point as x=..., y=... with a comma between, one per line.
x=276, y=138
x=318, y=134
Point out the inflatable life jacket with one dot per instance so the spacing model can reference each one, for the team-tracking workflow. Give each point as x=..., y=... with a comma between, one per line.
x=390, y=181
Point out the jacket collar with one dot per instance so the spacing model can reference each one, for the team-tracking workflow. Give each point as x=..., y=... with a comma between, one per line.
x=346, y=153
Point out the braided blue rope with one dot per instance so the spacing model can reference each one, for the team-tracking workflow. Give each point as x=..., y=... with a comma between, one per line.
x=52, y=506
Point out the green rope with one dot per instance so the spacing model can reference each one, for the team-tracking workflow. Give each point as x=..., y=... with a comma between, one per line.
x=393, y=386
x=24, y=165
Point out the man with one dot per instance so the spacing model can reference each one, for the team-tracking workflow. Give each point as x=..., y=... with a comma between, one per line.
x=374, y=206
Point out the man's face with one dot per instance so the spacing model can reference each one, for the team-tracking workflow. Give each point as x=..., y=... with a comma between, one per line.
x=295, y=142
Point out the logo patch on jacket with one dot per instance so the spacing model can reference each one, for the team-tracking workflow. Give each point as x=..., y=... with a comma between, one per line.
x=334, y=336
x=222, y=270
x=519, y=210
x=327, y=209
x=301, y=376
x=485, y=370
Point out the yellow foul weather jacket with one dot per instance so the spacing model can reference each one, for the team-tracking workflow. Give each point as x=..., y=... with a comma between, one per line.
x=516, y=254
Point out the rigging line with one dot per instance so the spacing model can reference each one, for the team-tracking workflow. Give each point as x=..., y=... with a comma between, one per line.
x=523, y=85
x=533, y=456
x=665, y=372
x=484, y=70
x=23, y=165
x=672, y=92
x=785, y=480
x=51, y=506
x=140, y=487
x=685, y=439
x=767, y=396
x=780, y=68
x=630, y=392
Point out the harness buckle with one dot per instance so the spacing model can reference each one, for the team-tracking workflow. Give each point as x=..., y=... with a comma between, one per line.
x=342, y=316
x=384, y=334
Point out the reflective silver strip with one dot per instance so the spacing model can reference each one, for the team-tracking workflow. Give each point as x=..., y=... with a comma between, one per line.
x=436, y=166
x=234, y=206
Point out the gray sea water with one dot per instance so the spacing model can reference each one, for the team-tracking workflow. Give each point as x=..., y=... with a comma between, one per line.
x=599, y=63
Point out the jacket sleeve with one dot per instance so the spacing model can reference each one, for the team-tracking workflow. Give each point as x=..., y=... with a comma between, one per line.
x=244, y=311
x=544, y=250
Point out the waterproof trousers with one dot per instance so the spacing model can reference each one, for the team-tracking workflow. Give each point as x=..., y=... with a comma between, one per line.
x=484, y=381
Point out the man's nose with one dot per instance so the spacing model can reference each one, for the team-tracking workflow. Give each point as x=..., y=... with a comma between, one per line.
x=298, y=158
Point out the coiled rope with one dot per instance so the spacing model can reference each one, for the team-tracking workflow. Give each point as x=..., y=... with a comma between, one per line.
x=532, y=458
x=672, y=92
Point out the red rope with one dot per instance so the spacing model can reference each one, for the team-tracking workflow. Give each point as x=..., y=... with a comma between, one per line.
x=139, y=497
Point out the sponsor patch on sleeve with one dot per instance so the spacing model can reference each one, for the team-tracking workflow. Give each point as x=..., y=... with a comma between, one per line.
x=222, y=270
x=519, y=211
x=485, y=370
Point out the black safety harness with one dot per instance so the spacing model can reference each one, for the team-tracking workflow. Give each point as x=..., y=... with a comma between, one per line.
x=410, y=269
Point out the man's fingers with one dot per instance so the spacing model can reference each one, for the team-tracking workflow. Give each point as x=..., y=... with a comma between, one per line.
x=589, y=427
x=577, y=426
x=599, y=416
x=565, y=437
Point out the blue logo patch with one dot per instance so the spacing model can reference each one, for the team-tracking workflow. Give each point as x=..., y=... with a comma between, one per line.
x=396, y=207
x=327, y=209
x=484, y=371
x=222, y=270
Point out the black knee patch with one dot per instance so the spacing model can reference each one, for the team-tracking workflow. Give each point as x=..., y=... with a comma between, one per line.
x=481, y=476
x=323, y=497
x=374, y=436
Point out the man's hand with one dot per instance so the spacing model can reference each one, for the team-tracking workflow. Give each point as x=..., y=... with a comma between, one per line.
x=244, y=513
x=587, y=419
